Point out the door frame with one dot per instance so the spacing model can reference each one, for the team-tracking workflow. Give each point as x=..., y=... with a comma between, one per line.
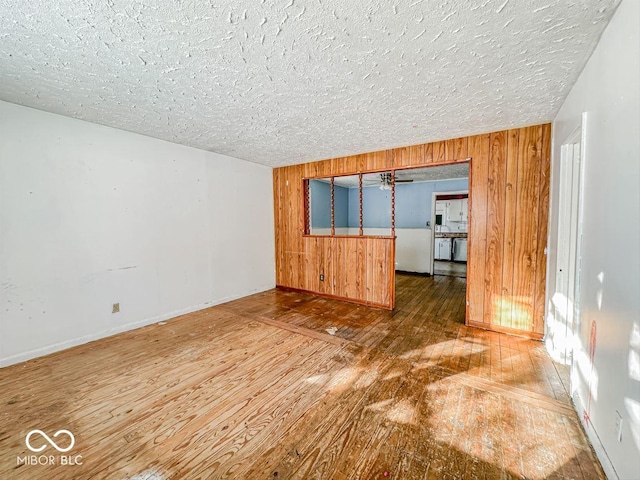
x=433, y=216
x=566, y=184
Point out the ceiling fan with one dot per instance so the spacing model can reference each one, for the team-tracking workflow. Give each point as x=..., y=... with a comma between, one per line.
x=387, y=177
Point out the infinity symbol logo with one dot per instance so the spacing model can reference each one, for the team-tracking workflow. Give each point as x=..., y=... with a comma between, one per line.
x=51, y=442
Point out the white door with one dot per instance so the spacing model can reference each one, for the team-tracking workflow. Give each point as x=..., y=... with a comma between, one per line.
x=464, y=214
x=564, y=300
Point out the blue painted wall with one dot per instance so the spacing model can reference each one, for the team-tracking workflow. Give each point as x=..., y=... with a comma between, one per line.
x=376, y=207
x=321, y=205
x=413, y=203
x=341, y=205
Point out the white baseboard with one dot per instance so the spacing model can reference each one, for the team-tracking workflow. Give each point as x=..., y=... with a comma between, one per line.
x=592, y=434
x=56, y=347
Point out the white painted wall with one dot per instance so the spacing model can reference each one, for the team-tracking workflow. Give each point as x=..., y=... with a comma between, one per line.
x=608, y=90
x=413, y=247
x=413, y=250
x=91, y=215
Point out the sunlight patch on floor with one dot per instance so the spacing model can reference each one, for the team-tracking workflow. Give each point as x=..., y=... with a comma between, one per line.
x=502, y=442
x=344, y=379
x=402, y=412
x=148, y=475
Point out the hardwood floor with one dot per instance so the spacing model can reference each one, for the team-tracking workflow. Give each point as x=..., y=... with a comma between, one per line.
x=287, y=385
x=452, y=269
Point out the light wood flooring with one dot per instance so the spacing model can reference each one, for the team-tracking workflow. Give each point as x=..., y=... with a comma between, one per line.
x=286, y=385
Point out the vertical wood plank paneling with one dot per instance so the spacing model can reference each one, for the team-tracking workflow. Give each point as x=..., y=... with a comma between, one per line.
x=337, y=166
x=428, y=153
x=456, y=149
x=330, y=267
x=351, y=164
x=355, y=268
x=462, y=150
x=392, y=279
x=386, y=160
x=361, y=268
x=297, y=219
x=406, y=156
x=526, y=242
x=288, y=195
x=542, y=227
x=439, y=152
x=361, y=163
x=509, y=194
x=311, y=262
x=369, y=269
x=479, y=152
x=316, y=169
x=376, y=160
x=339, y=258
x=510, y=223
x=376, y=267
x=401, y=157
x=286, y=237
x=311, y=169
x=349, y=289
x=416, y=155
x=340, y=261
x=383, y=279
x=280, y=235
x=495, y=228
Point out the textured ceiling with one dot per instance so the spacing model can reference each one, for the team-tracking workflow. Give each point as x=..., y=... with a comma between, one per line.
x=281, y=82
x=423, y=174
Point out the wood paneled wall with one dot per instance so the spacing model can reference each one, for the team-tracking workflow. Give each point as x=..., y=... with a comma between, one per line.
x=360, y=269
x=509, y=204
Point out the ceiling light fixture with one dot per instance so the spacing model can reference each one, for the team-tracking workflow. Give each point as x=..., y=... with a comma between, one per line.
x=385, y=181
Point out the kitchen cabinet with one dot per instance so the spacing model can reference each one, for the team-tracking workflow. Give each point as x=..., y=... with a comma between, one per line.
x=457, y=210
x=443, y=249
x=441, y=212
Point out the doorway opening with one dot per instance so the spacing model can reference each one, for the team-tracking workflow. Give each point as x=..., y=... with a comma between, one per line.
x=450, y=232
x=431, y=213
x=563, y=319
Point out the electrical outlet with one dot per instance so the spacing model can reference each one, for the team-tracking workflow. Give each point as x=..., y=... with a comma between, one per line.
x=116, y=308
x=618, y=426
x=322, y=277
